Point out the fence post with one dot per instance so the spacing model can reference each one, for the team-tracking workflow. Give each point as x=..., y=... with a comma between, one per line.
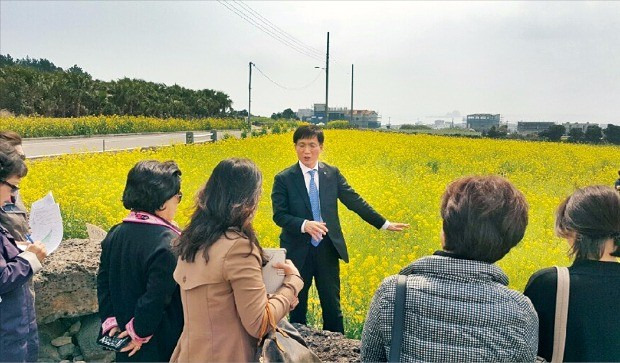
x=213, y=135
x=103, y=145
x=189, y=137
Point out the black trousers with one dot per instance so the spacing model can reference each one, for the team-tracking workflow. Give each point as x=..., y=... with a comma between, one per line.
x=321, y=264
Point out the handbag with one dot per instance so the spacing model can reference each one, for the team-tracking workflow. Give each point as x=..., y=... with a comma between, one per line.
x=282, y=343
x=561, y=316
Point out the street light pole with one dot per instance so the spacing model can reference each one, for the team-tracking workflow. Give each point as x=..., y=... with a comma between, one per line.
x=250, y=97
x=327, y=82
x=351, y=117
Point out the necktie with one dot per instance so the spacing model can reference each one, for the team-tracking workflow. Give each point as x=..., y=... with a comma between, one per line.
x=313, y=193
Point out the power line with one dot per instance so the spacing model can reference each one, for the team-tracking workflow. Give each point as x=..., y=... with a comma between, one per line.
x=279, y=30
x=248, y=18
x=284, y=87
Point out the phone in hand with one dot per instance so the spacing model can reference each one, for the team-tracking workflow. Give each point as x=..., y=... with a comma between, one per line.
x=273, y=277
x=113, y=343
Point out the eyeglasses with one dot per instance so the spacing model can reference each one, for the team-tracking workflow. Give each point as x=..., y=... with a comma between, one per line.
x=14, y=188
x=180, y=196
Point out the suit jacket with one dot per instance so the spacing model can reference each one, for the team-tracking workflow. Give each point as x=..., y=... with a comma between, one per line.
x=291, y=206
x=225, y=300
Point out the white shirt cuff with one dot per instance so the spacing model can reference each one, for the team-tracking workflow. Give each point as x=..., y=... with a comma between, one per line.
x=303, y=225
x=386, y=225
x=32, y=260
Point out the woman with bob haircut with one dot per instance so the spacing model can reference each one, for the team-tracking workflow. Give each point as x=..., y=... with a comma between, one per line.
x=137, y=294
x=219, y=271
x=458, y=307
x=589, y=220
x=19, y=340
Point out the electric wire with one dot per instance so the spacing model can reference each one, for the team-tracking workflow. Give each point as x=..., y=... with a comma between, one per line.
x=244, y=15
x=285, y=87
x=281, y=31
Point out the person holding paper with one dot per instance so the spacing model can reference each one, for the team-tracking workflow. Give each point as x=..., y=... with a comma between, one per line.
x=18, y=326
x=13, y=214
x=219, y=271
x=305, y=205
x=137, y=294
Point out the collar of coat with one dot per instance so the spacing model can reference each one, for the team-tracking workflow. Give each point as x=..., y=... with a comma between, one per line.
x=457, y=269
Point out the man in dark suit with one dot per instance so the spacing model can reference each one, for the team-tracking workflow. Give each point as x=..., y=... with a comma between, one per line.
x=305, y=205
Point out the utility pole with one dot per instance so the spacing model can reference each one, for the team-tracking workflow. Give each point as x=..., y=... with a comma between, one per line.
x=351, y=117
x=250, y=97
x=327, y=82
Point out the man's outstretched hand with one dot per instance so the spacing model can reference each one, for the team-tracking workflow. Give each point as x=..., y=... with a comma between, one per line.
x=397, y=227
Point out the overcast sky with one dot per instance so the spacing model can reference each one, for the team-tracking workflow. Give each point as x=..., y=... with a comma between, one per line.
x=547, y=61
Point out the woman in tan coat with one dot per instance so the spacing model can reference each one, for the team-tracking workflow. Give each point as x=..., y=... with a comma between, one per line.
x=219, y=271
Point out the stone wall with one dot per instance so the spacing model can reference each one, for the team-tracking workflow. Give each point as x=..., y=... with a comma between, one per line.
x=66, y=304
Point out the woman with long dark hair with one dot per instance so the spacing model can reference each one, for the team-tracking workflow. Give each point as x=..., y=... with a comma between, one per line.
x=219, y=271
x=589, y=220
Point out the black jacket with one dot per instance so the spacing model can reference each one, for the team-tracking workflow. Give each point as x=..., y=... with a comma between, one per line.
x=135, y=281
x=291, y=206
x=593, y=327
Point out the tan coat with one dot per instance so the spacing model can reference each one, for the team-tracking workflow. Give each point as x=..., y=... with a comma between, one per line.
x=224, y=302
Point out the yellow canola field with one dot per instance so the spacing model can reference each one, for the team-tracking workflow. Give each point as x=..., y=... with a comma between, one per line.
x=99, y=125
x=401, y=176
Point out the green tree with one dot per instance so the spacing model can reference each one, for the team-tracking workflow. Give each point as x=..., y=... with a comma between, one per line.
x=612, y=134
x=594, y=134
x=554, y=133
x=498, y=133
x=576, y=135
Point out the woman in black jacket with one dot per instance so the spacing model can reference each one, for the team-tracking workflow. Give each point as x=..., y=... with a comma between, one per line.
x=137, y=294
x=590, y=221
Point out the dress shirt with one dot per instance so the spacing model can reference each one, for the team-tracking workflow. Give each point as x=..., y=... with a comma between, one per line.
x=304, y=171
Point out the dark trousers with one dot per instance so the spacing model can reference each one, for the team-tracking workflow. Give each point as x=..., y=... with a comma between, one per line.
x=322, y=265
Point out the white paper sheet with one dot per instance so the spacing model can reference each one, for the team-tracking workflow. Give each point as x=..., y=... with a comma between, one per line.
x=46, y=222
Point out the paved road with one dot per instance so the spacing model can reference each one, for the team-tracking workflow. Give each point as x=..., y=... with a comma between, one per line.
x=49, y=147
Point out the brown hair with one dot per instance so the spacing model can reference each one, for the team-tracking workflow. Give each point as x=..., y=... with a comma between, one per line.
x=11, y=137
x=483, y=217
x=11, y=163
x=593, y=215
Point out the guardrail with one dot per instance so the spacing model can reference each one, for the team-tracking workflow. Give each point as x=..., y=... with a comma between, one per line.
x=193, y=138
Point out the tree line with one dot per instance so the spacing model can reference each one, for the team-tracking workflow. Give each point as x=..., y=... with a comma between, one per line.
x=593, y=134
x=38, y=87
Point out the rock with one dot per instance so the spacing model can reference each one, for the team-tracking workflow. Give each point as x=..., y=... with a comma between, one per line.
x=48, y=352
x=66, y=351
x=67, y=285
x=60, y=341
x=330, y=346
x=78, y=359
x=87, y=340
x=47, y=333
x=76, y=352
x=65, y=361
x=75, y=328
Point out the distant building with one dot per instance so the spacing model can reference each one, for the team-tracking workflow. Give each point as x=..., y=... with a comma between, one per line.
x=577, y=125
x=365, y=119
x=441, y=124
x=361, y=118
x=482, y=121
x=526, y=128
x=335, y=113
x=305, y=114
